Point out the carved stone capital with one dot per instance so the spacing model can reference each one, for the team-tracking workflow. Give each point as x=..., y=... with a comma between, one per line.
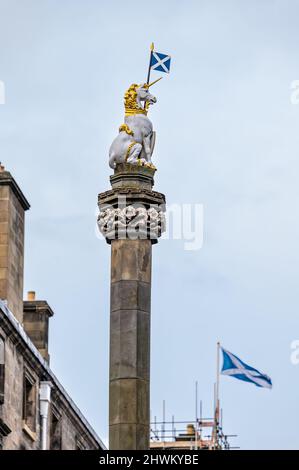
x=131, y=222
x=131, y=209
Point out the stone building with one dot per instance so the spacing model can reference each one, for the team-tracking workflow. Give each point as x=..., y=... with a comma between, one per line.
x=35, y=410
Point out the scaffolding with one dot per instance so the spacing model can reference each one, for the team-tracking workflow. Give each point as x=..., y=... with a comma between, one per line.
x=202, y=434
x=199, y=434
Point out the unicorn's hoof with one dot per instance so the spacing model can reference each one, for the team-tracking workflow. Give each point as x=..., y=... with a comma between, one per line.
x=150, y=165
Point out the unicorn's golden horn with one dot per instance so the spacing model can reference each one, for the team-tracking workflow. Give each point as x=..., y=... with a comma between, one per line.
x=150, y=84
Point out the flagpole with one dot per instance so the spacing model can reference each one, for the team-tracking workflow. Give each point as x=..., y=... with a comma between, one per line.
x=196, y=417
x=149, y=65
x=217, y=395
x=218, y=380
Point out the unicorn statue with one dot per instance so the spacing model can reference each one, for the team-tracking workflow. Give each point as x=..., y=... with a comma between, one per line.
x=136, y=139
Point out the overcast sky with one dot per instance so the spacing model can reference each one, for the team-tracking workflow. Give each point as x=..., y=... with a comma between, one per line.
x=227, y=137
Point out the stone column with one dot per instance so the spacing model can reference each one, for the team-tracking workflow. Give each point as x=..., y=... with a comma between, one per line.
x=131, y=219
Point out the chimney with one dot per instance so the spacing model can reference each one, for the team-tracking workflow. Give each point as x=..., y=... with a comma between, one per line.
x=36, y=322
x=13, y=205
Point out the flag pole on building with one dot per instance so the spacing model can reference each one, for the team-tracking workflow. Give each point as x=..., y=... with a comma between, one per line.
x=217, y=381
x=217, y=406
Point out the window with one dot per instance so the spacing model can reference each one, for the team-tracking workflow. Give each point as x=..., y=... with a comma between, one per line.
x=4, y=431
x=29, y=402
x=55, y=430
x=2, y=370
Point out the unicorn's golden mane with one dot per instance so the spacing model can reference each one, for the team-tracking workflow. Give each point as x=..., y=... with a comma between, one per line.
x=130, y=97
x=130, y=101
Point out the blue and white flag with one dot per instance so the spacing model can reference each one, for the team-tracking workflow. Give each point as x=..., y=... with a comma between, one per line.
x=160, y=62
x=234, y=367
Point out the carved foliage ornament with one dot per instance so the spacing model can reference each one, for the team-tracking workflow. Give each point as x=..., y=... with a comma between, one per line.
x=132, y=222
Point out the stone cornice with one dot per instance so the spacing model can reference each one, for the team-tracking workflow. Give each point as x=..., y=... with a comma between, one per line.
x=6, y=179
x=38, y=306
x=153, y=197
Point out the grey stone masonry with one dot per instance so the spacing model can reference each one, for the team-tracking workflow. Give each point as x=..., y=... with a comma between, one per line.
x=13, y=205
x=131, y=219
x=36, y=324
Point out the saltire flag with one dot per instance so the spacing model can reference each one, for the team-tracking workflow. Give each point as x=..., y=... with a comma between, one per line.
x=234, y=367
x=160, y=62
